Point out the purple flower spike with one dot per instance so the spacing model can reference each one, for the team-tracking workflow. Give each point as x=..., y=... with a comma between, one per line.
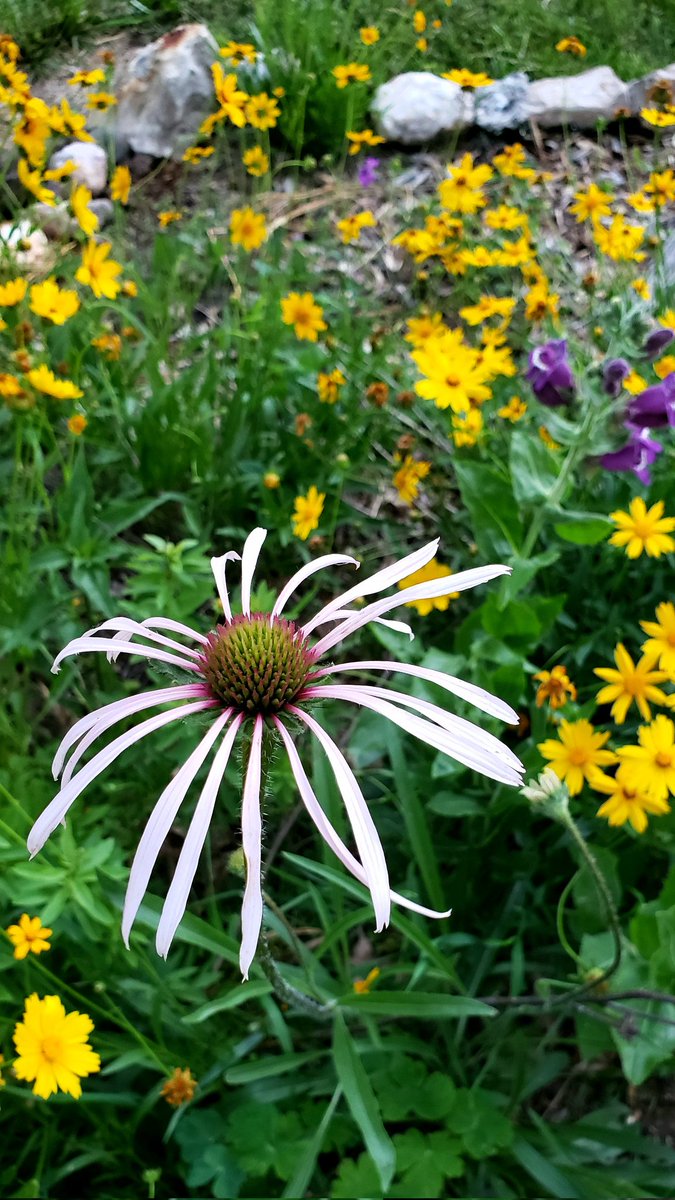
x=657, y=341
x=655, y=406
x=637, y=455
x=368, y=172
x=550, y=373
x=613, y=375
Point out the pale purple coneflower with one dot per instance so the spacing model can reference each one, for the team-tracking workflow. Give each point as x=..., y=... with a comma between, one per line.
x=249, y=673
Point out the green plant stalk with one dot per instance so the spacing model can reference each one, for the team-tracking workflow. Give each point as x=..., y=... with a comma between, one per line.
x=572, y=458
x=608, y=901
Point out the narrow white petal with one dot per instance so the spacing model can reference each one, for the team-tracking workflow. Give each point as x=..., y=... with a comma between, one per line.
x=395, y=626
x=58, y=807
x=318, y=564
x=251, y=839
x=125, y=625
x=186, y=867
x=97, y=644
x=329, y=833
x=421, y=591
x=477, y=759
x=365, y=834
x=159, y=823
x=218, y=568
x=103, y=718
x=249, y=561
x=376, y=583
x=477, y=696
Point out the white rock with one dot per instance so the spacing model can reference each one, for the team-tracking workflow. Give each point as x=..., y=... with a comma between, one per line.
x=415, y=107
x=581, y=100
x=27, y=246
x=503, y=104
x=639, y=90
x=165, y=92
x=92, y=164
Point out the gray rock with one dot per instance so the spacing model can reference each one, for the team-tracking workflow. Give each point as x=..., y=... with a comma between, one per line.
x=104, y=209
x=417, y=106
x=502, y=105
x=581, y=100
x=92, y=164
x=55, y=220
x=165, y=92
x=639, y=90
x=26, y=245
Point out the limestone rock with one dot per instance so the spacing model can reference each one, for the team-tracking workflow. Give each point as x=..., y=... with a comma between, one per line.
x=28, y=246
x=104, y=209
x=640, y=91
x=503, y=104
x=92, y=164
x=417, y=106
x=581, y=100
x=166, y=92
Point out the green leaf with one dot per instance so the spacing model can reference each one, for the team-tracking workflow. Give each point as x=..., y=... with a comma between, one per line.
x=362, y=1103
x=266, y=1068
x=584, y=529
x=492, y=507
x=534, y=470
x=306, y=1164
x=232, y=999
x=543, y=1171
x=427, y=1005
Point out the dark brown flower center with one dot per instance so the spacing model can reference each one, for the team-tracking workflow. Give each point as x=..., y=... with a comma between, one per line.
x=257, y=664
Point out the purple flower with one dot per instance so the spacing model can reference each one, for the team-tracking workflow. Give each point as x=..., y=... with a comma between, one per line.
x=657, y=341
x=613, y=375
x=655, y=406
x=637, y=455
x=367, y=175
x=550, y=373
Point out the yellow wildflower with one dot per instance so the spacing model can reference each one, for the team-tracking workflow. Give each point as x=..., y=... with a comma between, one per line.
x=32, y=181
x=660, y=647
x=248, y=229
x=79, y=202
x=659, y=118
x=488, y=306
x=408, y=477
x=630, y=682
x=52, y=302
x=77, y=424
x=236, y=53
x=196, y=154
x=642, y=529
x=592, y=204
x=45, y=381
x=120, y=185
x=304, y=314
x=468, y=79
x=351, y=73
x=53, y=1052
x=307, y=514
x=641, y=286
x=13, y=292
x=30, y=936
x=514, y=410
x=571, y=45
x=98, y=271
x=433, y=570
x=627, y=803
x=262, y=111
x=467, y=427
x=366, y=137
x=577, y=755
x=180, y=1088
x=168, y=216
x=101, y=101
x=256, y=161
x=350, y=227
x=363, y=986
x=462, y=192
x=650, y=767
x=555, y=686
x=369, y=35
x=328, y=385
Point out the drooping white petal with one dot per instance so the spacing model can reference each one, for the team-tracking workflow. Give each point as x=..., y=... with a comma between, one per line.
x=366, y=836
x=251, y=840
x=249, y=561
x=478, y=759
x=99, y=644
x=470, y=692
x=310, y=568
x=382, y=579
x=172, y=627
x=58, y=807
x=218, y=568
x=160, y=821
x=102, y=718
x=395, y=626
x=186, y=867
x=421, y=591
x=125, y=625
x=329, y=833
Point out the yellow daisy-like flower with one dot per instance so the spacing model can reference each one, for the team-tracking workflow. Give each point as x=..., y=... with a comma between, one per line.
x=58, y=174
x=571, y=45
x=32, y=130
x=592, y=203
x=45, y=381
x=328, y=385
x=29, y=936
x=488, y=306
x=640, y=203
x=555, y=686
x=366, y=137
x=642, y=529
x=53, y=1052
x=660, y=646
x=433, y=570
x=363, y=986
x=231, y=99
x=351, y=73
x=196, y=154
x=620, y=241
x=546, y=438
x=540, y=303
x=468, y=79
x=13, y=292
x=52, y=302
x=650, y=767
x=467, y=427
x=667, y=319
x=642, y=288
x=427, y=326
x=101, y=101
x=87, y=78
x=350, y=227
x=168, y=217
x=634, y=383
x=369, y=35
x=630, y=682
x=32, y=181
x=627, y=803
x=99, y=272
x=109, y=344
x=462, y=192
x=79, y=202
x=513, y=411
x=271, y=480
x=248, y=229
x=180, y=1088
x=304, y=314
x=505, y=216
x=262, y=111
x=578, y=754
x=454, y=376
x=120, y=185
x=307, y=512
x=665, y=366
x=10, y=388
x=408, y=477
x=236, y=53
x=255, y=160
x=77, y=424
x=659, y=118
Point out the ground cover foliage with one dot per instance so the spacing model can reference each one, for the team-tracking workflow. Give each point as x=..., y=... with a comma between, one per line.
x=347, y=362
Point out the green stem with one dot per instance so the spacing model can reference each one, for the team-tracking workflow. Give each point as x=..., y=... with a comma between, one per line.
x=610, y=908
x=557, y=492
x=285, y=991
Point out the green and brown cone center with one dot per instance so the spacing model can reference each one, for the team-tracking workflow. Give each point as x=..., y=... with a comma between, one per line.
x=257, y=664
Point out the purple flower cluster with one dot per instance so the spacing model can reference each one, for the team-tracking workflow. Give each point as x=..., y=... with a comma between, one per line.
x=650, y=409
x=550, y=374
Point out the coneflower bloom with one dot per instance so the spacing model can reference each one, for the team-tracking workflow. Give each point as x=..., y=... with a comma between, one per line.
x=253, y=673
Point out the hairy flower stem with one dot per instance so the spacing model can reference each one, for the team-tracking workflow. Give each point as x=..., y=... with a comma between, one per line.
x=575, y=453
x=610, y=907
x=285, y=991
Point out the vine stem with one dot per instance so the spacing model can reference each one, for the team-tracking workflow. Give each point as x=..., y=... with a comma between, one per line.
x=610, y=907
